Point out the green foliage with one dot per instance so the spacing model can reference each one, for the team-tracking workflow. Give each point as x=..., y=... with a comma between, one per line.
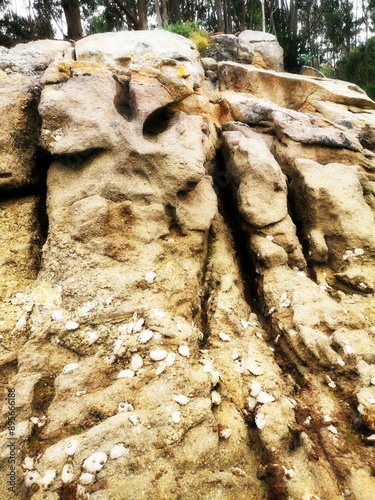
x=191, y=30
x=327, y=70
x=359, y=67
x=305, y=59
x=14, y=29
x=185, y=29
x=201, y=40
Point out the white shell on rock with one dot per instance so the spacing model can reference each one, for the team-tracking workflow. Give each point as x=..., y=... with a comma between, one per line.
x=137, y=328
x=348, y=349
x=170, y=359
x=150, y=276
x=47, y=479
x=118, y=451
x=86, y=308
x=118, y=348
x=21, y=323
x=255, y=389
x=87, y=478
x=184, y=351
x=126, y=374
x=260, y=420
x=136, y=362
x=225, y=337
x=71, y=447
x=29, y=306
x=244, y=324
x=225, y=432
x=181, y=399
x=92, y=336
x=215, y=398
x=158, y=313
x=125, y=407
x=31, y=478
x=332, y=429
x=39, y=421
x=95, y=462
x=289, y=473
x=254, y=368
x=57, y=315
x=133, y=419
x=67, y=474
x=72, y=325
x=29, y=463
x=251, y=403
x=264, y=397
x=70, y=367
x=158, y=354
x=176, y=417
x=145, y=336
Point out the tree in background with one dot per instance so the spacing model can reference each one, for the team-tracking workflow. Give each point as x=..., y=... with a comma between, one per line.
x=331, y=35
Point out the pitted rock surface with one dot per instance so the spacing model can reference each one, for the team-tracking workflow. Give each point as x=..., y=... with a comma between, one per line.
x=187, y=274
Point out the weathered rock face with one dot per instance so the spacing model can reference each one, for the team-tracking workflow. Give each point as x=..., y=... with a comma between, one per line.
x=188, y=299
x=249, y=47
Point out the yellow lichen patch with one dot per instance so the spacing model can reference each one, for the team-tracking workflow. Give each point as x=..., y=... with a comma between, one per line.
x=88, y=67
x=63, y=67
x=181, y=71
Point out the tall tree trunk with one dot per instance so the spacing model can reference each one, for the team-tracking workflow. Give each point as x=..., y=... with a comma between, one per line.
x=230, y=23
x=219, y=14
x=263, y=16
x=251, y=8
x=243, y=16
x=165, y=13
x=225, y=9
x=175, y=11
x=73, y=18
x=293, y=17
x=131, y=19
x=272, y=10
x=142, y=14
x=158, y=16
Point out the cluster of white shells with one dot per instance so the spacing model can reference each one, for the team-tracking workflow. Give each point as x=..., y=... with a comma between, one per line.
x=90, y=466
x=259, y=397
x=160, y=356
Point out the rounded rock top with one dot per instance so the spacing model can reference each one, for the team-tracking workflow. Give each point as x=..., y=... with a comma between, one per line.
x=147, y=46
x=257, y=36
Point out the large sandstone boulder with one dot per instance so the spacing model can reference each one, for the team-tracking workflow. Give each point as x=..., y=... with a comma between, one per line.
x=287, y=90
x=268, y=54
x=187, y=298
x=250, y=47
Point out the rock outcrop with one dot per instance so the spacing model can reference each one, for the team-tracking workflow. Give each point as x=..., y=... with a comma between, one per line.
x=187, y=274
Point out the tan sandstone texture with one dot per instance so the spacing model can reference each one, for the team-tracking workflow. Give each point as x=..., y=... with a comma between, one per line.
x=187, y=274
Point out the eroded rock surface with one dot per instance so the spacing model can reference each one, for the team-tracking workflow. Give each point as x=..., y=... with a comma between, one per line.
x=188, y=297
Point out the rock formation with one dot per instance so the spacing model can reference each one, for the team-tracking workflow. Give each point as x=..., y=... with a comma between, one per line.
x=187, y=274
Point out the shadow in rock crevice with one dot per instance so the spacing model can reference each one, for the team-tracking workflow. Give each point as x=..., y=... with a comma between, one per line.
x=284, y=357
x=229, y=211
x=158, y=122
